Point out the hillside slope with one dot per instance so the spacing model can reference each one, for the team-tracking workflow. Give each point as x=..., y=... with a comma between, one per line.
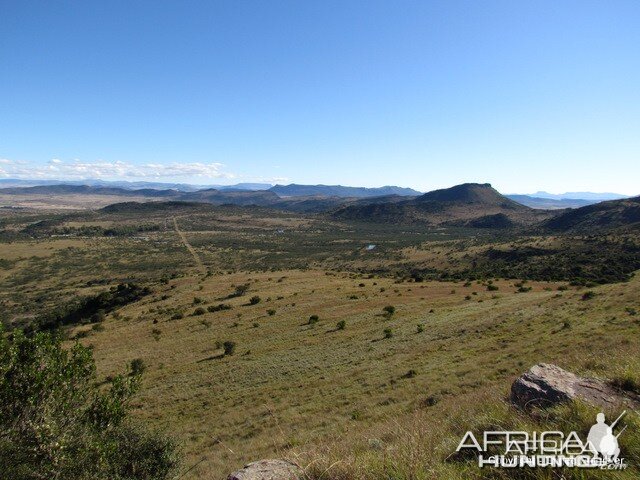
x=611, y=215
x=469, y=204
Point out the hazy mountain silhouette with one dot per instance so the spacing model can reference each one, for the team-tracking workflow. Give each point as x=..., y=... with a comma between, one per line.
x=295, y=190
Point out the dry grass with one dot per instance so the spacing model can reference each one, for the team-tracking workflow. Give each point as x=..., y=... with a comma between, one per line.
x=291, y=385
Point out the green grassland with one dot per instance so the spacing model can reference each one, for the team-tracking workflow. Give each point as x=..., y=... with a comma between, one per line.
x=388, y=395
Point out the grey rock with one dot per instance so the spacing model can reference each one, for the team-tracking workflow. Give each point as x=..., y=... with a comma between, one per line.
x=545, y=385
x=269, y=470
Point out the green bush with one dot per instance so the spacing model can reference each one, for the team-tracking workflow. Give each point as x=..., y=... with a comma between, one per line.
x=199, y=311
x=388, y=333
x=271, y=312
x=313, y=319
x=341, y=325
x=56, y=422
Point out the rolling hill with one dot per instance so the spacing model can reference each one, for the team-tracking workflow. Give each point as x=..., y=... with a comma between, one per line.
x=469, y=204
x=611, y=215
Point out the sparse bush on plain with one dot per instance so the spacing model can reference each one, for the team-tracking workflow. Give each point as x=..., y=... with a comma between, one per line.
x=229, y=347
x=254, y=300
x=137, y=366
x=218, y=308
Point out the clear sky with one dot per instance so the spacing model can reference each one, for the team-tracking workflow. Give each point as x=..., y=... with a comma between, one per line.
x=541, y=95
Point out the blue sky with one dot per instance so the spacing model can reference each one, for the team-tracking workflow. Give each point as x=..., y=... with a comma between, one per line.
x=526, y=95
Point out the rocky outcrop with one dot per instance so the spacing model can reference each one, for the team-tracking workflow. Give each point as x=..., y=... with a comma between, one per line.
x=269, y=470
x=545, y=385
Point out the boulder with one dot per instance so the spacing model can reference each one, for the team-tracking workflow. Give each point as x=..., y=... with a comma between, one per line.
x=269, y=470
x=545, y=385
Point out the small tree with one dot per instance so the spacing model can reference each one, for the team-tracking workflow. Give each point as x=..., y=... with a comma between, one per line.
x=57, y=422
x=389, y=310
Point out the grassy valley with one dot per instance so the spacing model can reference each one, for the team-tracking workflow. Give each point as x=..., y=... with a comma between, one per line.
x=335, y=343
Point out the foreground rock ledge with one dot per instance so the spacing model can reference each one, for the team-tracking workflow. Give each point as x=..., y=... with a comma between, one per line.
x=268, y=470
x=545, y=385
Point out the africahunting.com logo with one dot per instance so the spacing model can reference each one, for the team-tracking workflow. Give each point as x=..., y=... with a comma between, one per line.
x=551, y=449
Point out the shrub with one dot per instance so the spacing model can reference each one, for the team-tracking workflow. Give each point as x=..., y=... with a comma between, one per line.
x=197, y=300
x=341, y=325
x=388, y=333
x=420, y=328
x=271, y=312
x=98, y=317
x=240, y=290
x=492, y=288
x=156, y=332
x=588, y=295
x=229, y=347
x=57, y=422
x=218, y=308
x=177, y=316
x=313, y=319
x=389, y=310
x=137, y=367
x=199, y=311
x=254, y=300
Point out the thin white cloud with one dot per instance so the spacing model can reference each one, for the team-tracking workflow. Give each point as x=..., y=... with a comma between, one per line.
x=79, y=170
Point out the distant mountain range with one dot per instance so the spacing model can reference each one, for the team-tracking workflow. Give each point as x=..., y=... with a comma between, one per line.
x=294, y=190
x=539, y=199
x=580, y=196
x=549, y=203
x=468, y=205
x=183, y=187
